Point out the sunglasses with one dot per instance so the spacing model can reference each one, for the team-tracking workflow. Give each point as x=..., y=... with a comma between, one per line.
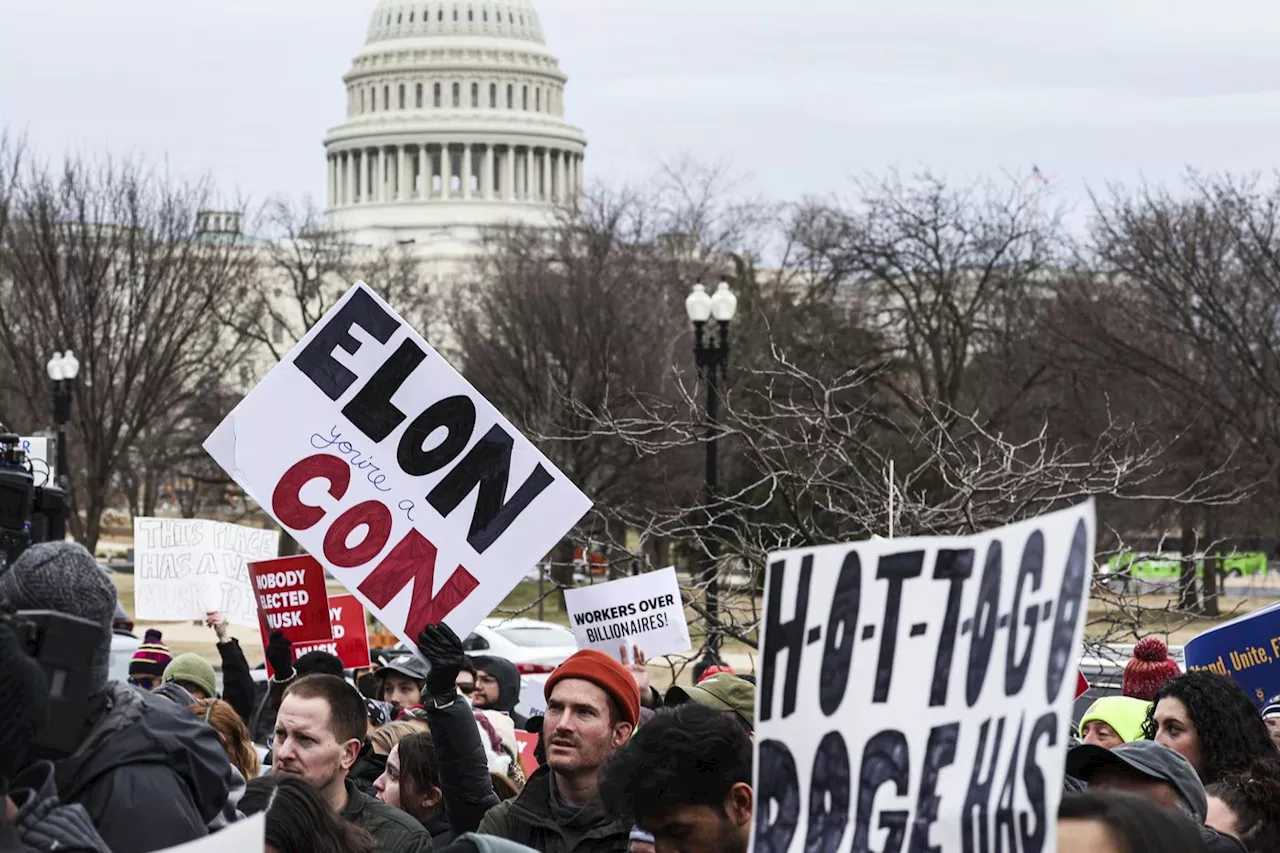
x=467, y=689
x=145, y=682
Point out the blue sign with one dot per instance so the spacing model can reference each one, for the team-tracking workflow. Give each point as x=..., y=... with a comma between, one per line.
x=1247, y=650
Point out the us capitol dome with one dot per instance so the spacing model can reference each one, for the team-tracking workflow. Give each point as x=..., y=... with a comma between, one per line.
x=455, y=122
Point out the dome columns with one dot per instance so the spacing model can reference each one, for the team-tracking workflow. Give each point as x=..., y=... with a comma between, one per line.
x=453, y=172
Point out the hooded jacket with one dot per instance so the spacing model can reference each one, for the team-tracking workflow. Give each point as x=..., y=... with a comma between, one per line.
x=534, y=820
x=149, y=774
x=43, y=822
x=508, y=685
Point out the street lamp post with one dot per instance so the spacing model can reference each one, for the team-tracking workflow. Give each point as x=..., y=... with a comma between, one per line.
x=712, y=358
x=63, y=369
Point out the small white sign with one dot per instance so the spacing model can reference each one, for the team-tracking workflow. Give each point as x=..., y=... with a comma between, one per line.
x=42, y=463
x=185, y=567
x=920, y=687
x=407, y=485
x=645, y=611
x=248, y=835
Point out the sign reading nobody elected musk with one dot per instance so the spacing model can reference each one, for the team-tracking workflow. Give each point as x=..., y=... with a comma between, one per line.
x=393, y=472
x=292, y=598
x=916, y=693
x=348, y=637
x=645, y=610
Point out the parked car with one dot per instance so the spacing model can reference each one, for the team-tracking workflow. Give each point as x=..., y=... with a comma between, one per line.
x=536, y=648
x=123, y=645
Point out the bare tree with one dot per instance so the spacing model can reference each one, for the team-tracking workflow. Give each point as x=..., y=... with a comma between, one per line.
x=102, y=257
x=305, y=265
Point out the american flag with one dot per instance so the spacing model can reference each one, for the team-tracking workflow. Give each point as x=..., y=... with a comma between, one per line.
x=1037, y=175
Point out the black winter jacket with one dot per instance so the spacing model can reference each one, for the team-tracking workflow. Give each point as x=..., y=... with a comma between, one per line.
x=464, y=770
x=237, y=683
x=149, y=774
x=43, y=823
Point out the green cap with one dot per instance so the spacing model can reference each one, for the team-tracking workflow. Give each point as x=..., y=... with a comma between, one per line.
x=192, y=669
x=722, y=692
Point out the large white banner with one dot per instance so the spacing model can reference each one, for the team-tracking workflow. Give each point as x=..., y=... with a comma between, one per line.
x=916, y=693
x=646, y=611
x=393, y=472
x=183, y=568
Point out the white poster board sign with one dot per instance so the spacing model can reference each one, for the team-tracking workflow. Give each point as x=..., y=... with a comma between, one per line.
x=185, y=567
x=393, y=472
x=921, y=688
x=645, y=611
x=247, y=834
x=38, y=450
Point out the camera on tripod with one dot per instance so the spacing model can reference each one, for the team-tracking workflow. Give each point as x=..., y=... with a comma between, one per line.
x=28, y=513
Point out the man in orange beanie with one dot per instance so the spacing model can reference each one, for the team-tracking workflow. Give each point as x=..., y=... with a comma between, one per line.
x=1149, y=669
x=593, y=705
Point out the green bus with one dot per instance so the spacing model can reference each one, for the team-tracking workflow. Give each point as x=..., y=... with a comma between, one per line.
x=1168, y=566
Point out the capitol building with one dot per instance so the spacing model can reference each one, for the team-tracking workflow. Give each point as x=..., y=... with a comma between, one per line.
x=454, y=123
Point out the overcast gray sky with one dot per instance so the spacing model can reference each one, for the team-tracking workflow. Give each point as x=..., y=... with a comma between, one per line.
x=798, y=95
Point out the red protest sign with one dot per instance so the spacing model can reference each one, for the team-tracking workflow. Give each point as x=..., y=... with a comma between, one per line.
x=292, y=598
x=350, y=640
x=528, y=743
x=1082, y=684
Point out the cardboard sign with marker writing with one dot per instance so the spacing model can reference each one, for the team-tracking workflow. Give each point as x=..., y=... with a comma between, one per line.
x=393, y=472
x=186, y=567
x=348, y=638
x=292, y=598
x=916, y=693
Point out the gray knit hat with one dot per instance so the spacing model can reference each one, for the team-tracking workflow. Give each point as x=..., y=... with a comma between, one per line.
x=65, y=578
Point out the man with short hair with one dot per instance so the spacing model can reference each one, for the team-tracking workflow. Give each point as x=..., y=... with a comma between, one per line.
x=319, y=729
x=593, y=705
x=1156, y=773
x=685, y=777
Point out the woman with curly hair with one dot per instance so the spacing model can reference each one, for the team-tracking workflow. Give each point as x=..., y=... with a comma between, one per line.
x=1246, y=806
x=1212, y=723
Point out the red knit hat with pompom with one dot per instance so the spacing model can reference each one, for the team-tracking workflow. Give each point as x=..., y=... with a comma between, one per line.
x=1149, y=669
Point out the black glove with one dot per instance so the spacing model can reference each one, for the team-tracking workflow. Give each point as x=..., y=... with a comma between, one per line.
x=442, y=650
x=280, y=655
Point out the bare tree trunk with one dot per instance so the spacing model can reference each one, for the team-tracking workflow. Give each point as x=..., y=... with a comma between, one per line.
x=1187, y=600
x=1209, y=583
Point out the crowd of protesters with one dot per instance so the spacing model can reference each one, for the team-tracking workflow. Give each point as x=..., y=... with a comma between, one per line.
x=422, y=754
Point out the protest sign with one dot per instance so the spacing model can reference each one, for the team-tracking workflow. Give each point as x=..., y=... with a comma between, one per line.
x=247, y=834
x=393, y=472
x=645, y=611
x=40, y=458
x=1246, y=650
x=183, y=568
x=292, y=598
x=348, y=638
x=528, y=743
x=922, y=688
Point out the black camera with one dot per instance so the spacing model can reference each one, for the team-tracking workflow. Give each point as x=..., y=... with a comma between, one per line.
x=60, y=644
x=28, y=513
